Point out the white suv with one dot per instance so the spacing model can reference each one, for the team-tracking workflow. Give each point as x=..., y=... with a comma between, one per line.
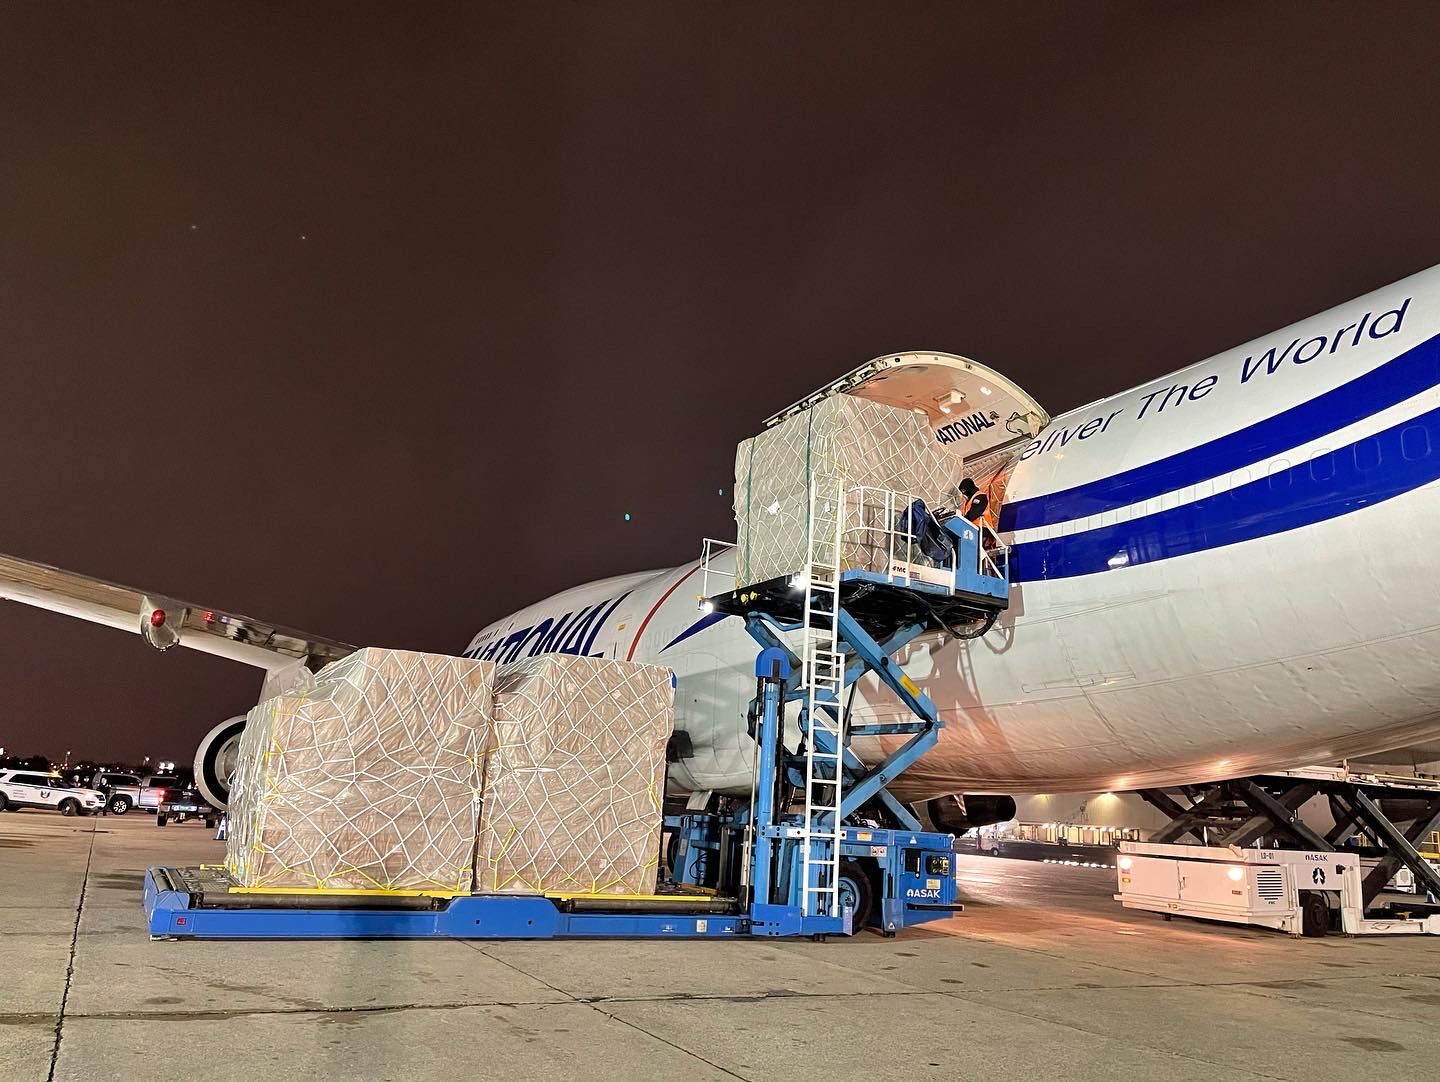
x=33, y=789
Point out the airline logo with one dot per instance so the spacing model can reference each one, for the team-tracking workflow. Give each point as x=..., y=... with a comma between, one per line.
x=568, y=633
x=973, y=425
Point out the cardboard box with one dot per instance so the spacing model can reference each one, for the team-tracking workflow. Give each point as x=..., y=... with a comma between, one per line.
x=841, y=440
x=573, y=783
x=365, y=777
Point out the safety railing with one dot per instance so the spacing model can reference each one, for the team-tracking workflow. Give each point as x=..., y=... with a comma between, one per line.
x=711, y=551
x=994, y=557
x=867, y=511
x=877, y=520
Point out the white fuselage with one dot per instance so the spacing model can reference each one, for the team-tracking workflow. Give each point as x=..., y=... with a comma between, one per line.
x=1222, y=572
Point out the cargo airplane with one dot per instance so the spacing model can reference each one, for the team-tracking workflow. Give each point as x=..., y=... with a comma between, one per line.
x=1222, y=572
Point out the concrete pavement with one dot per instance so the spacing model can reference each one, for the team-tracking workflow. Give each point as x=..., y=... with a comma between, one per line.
x=1042, y=976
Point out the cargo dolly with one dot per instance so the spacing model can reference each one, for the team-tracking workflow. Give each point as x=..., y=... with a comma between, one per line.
x=820, y=839
x=1239, y=851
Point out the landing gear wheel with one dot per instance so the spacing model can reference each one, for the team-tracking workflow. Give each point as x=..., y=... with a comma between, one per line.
x=1314, y=915
x=69, y=806
x=119, y=805
x=857, y=892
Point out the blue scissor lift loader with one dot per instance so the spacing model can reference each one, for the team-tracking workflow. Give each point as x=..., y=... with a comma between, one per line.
x=821, y=838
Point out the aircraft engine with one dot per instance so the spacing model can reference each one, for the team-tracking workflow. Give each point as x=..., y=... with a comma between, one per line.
x=966, y=811
x=215, y=760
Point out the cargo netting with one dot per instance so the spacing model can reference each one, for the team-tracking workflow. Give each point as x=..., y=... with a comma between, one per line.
x=573, y=784
x=842, y=439
x=367, y=776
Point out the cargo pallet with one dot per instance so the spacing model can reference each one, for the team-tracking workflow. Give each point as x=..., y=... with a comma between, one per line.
x=205, y=903
x=820, y=837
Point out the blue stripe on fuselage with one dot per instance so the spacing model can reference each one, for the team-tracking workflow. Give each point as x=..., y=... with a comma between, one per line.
x=1366, y=472
x=1413, y=371
x=708, y=620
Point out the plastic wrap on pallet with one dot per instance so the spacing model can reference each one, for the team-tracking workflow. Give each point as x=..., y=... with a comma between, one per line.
x=573, y=784
x=367, y=776
x=842, y=438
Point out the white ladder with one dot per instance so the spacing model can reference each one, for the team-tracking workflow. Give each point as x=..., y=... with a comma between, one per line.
x=823, y=672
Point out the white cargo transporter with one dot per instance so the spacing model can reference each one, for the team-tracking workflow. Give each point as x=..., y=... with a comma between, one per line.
x=1326, y=882
x=1285, y=889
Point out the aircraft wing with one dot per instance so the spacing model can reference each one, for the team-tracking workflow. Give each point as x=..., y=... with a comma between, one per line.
x=164, y=621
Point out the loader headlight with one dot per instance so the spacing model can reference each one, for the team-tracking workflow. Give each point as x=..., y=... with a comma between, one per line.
x=1236, y=874
x=1125, y=864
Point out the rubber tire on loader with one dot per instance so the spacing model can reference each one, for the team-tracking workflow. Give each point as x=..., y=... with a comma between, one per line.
x=861, y=889
x=1314, y=914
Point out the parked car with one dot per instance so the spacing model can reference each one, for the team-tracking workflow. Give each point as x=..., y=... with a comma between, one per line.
x=185, y=802
x=35, y=789
x=108, y=779
x=143, y=793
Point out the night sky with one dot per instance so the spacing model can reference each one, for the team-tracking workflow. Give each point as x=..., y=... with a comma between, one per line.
x=378, y=322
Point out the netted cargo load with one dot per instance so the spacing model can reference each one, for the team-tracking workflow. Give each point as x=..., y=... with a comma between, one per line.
x=573, y=784
x=367, y=776
x=840, y=439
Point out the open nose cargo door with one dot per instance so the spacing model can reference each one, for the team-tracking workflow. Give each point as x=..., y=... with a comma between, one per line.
x=973, y=410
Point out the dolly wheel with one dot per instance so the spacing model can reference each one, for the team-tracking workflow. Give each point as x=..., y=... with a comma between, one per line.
x=857, y=892
x=1314, y=914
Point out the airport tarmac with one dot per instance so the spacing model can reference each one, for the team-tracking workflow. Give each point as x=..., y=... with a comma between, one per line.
x=1043, y=975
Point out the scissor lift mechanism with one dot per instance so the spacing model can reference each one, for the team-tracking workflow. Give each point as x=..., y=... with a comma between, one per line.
x=781, y=864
